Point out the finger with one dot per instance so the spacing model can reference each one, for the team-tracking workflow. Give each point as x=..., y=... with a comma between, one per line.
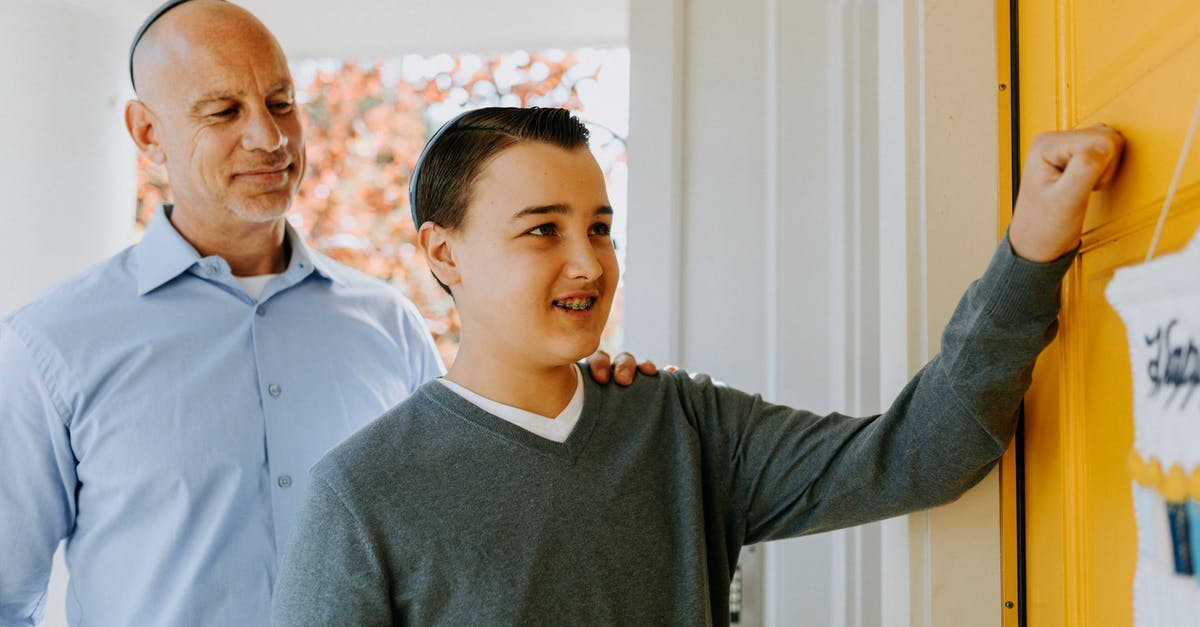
x=1114, y=163
x=647, y=368
x=600, y=365
x=1093, y=154
x=624, y=368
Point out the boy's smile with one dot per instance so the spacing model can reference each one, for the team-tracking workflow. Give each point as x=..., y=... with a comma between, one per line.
x=532, y=267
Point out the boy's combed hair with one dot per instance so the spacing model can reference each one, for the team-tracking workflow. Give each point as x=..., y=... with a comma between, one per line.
x=454, y=161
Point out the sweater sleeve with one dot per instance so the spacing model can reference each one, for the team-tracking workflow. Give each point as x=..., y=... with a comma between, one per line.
x=331, y=574
x=788, y=472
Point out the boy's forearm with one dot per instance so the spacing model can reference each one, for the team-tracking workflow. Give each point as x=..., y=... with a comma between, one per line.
x=1000, y=326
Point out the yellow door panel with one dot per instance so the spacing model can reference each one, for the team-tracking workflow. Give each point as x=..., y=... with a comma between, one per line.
x=1131, y=64
x=1117, y=42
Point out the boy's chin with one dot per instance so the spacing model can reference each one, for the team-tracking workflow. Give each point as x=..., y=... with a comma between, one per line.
x=580, y=353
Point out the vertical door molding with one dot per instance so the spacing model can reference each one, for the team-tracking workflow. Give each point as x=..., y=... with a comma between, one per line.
x=657, y=110
x=938, y=186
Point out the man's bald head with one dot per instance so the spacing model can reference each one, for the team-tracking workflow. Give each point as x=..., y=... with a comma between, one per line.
x=177, y=23
x=141, y=32
x=216, y=106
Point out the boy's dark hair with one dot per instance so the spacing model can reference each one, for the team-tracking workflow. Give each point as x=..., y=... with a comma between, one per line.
x=445, y=174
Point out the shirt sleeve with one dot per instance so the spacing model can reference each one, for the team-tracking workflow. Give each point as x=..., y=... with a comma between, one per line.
x=789, y=472
x=425, y=362
x=330, y=574
x=37, y=477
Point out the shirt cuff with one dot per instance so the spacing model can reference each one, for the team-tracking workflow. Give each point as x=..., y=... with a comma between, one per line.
x=1022, y=288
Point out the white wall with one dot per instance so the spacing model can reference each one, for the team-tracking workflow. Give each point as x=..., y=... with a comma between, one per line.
x=66, y=165
x=353, y=29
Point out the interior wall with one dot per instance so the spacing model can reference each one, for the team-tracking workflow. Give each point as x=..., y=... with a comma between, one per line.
x=68, y=168
x=959, y=234
x=938, y=194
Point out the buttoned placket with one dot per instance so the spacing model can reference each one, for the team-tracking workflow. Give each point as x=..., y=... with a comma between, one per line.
x=271, y=389
x=278, y=394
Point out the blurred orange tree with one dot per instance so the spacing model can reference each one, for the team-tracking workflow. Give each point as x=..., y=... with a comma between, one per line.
x=365, y=125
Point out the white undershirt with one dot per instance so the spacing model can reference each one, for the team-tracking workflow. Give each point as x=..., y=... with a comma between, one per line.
x=254, y=284
x=555, y=429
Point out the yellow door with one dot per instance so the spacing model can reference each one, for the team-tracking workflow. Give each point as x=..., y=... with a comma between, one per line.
x=1134, y=64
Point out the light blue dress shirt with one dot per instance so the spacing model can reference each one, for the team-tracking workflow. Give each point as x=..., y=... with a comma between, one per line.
x=163, y=423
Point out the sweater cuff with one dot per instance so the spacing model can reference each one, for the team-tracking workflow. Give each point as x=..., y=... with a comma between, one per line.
x=1021, y=287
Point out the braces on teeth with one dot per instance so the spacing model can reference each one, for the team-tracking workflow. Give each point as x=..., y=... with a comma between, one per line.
x=577, y=306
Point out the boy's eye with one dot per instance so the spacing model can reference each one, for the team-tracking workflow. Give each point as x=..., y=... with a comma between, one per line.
x=602, y=229
x=281, y=107
x=543, y=230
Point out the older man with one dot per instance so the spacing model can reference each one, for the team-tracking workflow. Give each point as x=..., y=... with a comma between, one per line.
x=161, y=410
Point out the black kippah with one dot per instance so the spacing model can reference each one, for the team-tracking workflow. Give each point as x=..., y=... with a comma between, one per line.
x=416, y=171
x=159, y=12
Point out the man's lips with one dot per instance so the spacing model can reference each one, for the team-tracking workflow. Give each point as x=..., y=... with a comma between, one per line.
x=265, y=171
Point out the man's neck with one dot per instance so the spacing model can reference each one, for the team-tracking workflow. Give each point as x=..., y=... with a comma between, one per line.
x=250, y=249
x=544, y=391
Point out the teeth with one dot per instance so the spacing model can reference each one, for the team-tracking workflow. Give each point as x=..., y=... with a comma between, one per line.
x=576, y=304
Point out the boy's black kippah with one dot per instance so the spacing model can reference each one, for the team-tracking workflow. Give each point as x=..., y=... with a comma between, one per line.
x=416, y=171
x=159, y=12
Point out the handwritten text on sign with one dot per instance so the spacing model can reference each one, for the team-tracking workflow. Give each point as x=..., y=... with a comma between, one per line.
x=1174, y=363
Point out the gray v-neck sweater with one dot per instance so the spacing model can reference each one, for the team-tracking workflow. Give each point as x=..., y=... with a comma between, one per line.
x=440, y=513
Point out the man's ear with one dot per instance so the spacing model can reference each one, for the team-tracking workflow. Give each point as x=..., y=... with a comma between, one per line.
x=142, y=125
x=438, y=246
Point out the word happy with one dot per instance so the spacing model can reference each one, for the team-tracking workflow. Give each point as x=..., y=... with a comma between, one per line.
x=1174, y=364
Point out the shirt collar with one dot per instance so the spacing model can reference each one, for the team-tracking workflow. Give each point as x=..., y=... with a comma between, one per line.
x=164, y=254
x=304, y=258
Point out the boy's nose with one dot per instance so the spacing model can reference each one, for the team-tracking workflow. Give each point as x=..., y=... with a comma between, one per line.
x=583, y=262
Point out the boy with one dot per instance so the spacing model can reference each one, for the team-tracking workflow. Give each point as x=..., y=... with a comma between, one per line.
x=513, y=491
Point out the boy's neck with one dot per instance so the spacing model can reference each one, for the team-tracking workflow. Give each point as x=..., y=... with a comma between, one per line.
x=543, y=391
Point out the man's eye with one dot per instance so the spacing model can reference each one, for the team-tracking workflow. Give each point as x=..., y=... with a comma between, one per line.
x=225, y=113
x=602, y=229
x=542, y=230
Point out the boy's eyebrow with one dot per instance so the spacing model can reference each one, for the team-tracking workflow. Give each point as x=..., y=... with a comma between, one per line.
x=539, y=211
x=555, y=209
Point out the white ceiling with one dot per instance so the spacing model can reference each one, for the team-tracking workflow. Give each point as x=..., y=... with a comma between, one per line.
x=372, y=28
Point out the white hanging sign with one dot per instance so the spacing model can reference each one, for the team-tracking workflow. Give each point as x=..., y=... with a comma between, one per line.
x=1159, y=302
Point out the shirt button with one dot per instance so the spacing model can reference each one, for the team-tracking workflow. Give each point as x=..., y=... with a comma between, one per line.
x=274, y=390
x=285, y=481
x=210, y=270
x=261, y=310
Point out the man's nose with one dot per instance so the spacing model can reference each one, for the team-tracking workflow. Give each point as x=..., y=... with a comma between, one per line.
x=262, y=131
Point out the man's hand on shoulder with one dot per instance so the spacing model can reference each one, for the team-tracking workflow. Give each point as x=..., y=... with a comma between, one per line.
x=1061, y=170
x=622, y=369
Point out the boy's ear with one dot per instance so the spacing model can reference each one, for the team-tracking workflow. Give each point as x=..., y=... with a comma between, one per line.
x=437, y=245
x=142, y=125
